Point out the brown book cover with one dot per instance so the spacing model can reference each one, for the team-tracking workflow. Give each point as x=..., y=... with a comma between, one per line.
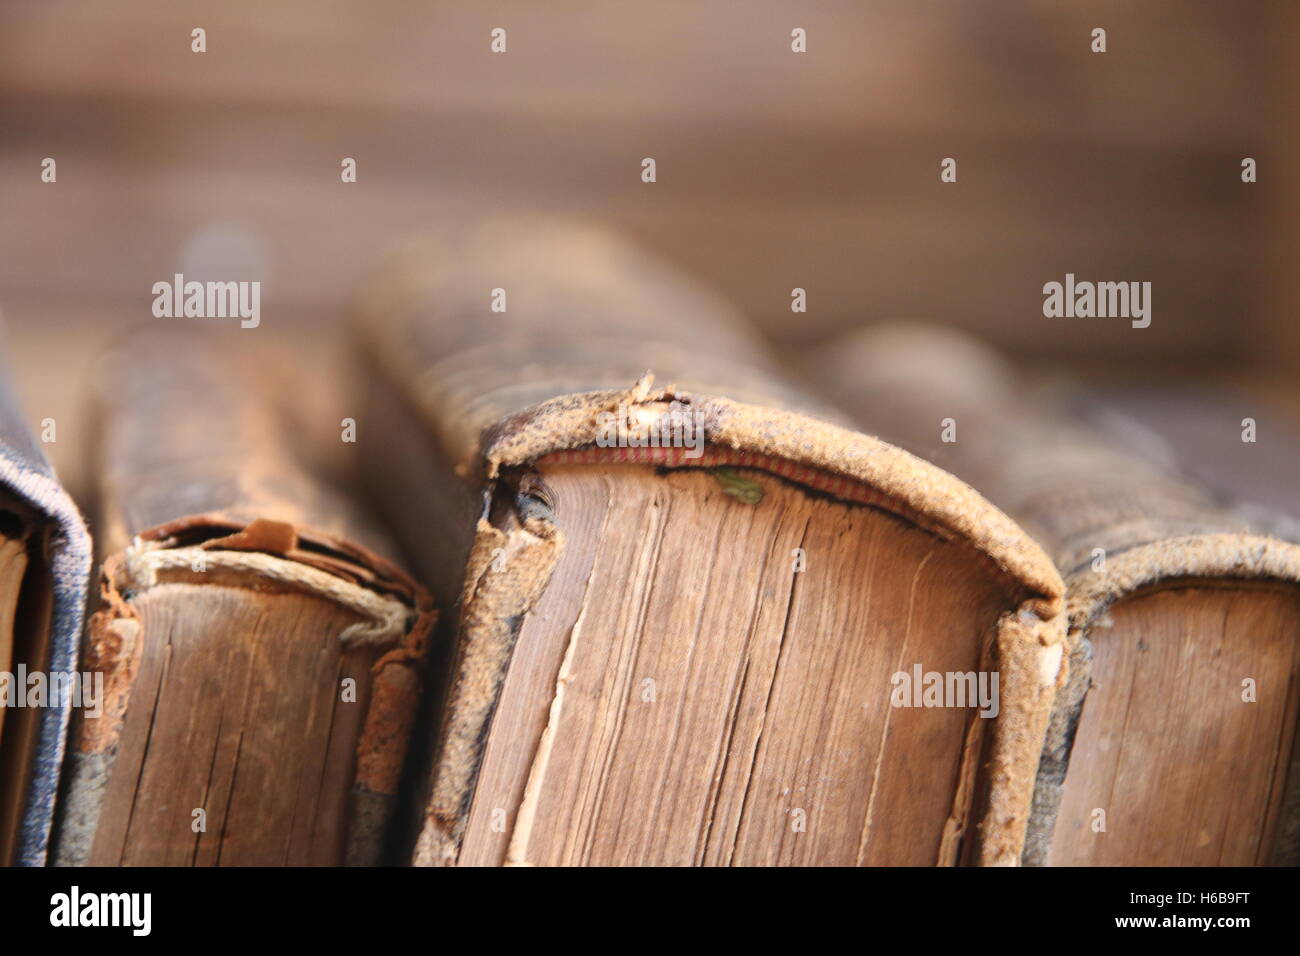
x=262, y=662
x=1172, y=742
x=691, y=601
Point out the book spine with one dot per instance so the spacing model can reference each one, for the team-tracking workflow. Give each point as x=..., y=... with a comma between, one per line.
x=193, y=467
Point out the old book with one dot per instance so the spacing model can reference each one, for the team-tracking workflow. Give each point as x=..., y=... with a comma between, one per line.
x=262, y=662
x=44, y=566
x=1173, y=741
x=688, y=599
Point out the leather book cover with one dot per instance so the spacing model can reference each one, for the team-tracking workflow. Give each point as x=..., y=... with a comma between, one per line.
x=1172, y=743
x=262, y=660
x=506, y=358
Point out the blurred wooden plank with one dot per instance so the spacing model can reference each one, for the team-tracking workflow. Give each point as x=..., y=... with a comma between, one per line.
x=1278, y=193
x=775, y=170
x=108, y=232
x=881, y=165
x=1184, y=73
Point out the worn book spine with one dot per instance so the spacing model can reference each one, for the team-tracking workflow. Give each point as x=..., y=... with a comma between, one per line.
x=64, y=561
x=1114, y=512
x=200, y=484
x=594, y=328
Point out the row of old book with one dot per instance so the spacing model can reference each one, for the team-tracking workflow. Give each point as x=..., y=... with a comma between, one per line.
x=593, y=578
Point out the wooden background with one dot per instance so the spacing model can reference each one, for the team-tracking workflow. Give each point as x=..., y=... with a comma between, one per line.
x=775, y=170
